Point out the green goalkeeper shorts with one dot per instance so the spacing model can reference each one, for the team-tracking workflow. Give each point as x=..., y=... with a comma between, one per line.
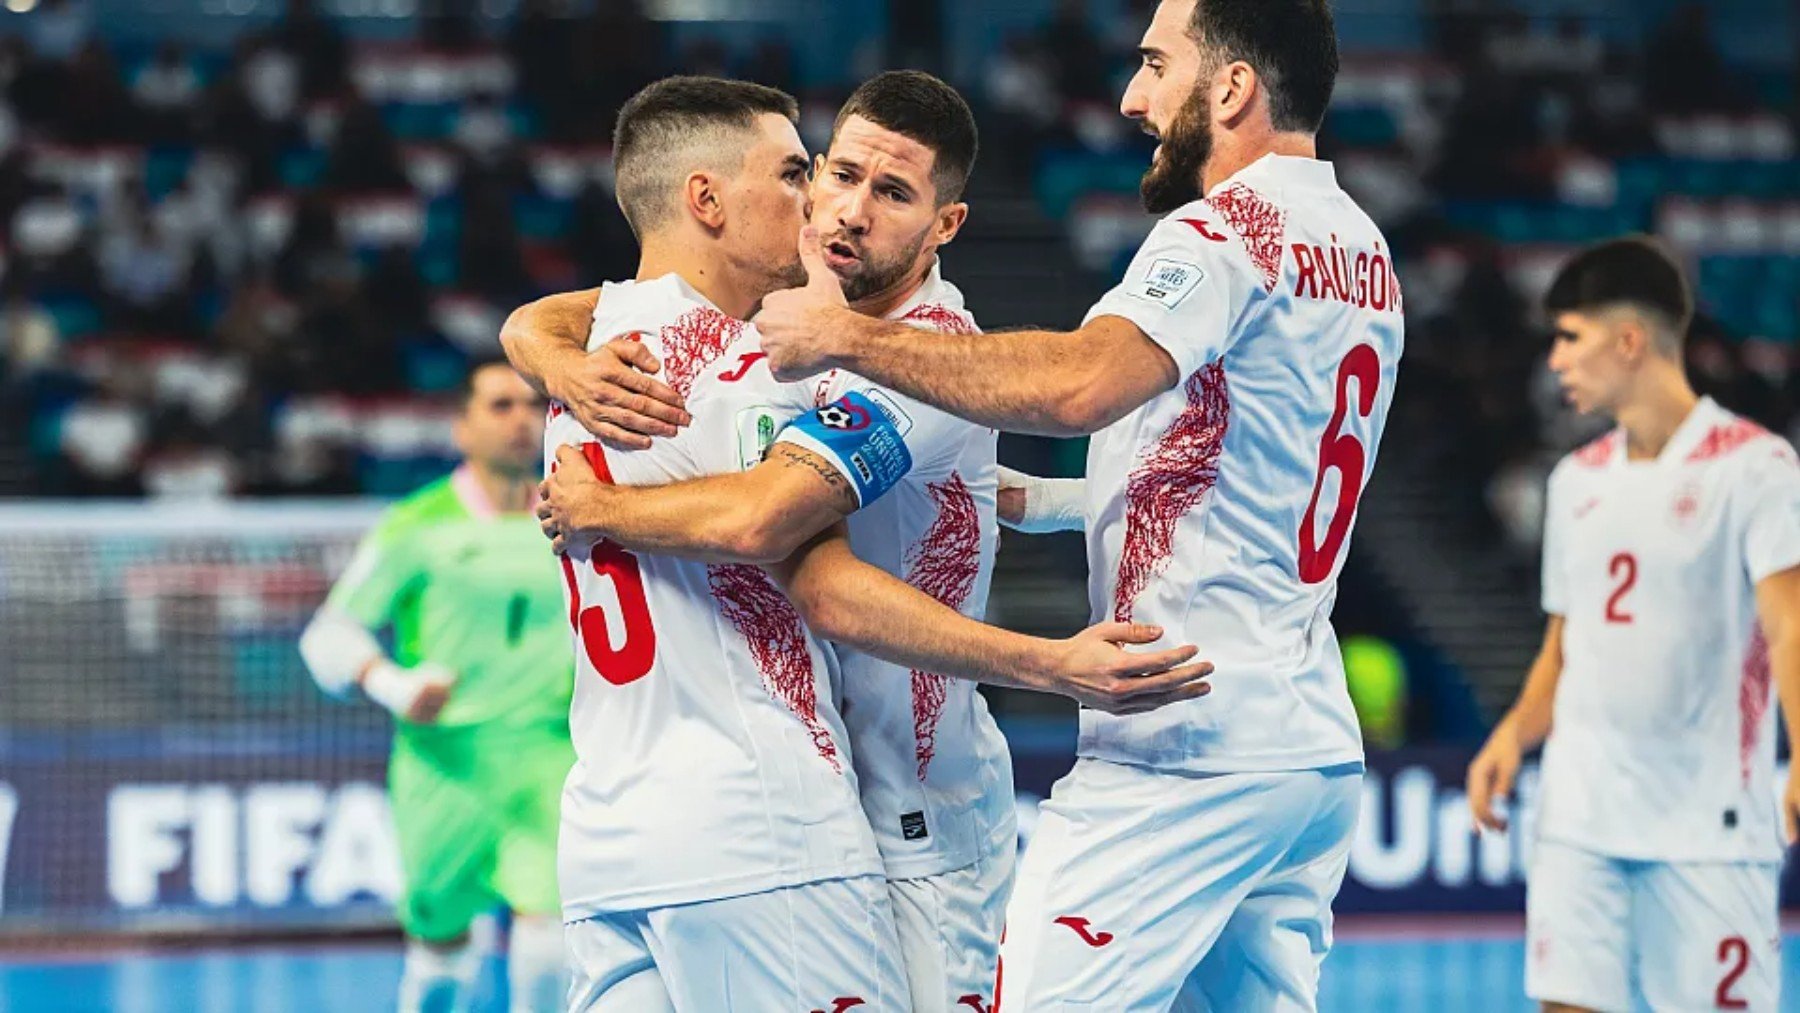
x=475, y=810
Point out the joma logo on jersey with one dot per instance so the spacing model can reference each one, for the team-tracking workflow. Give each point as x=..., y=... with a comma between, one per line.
x=1083, y=928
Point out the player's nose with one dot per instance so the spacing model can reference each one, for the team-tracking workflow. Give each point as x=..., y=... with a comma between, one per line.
x=853, y=213
x=1135, y=104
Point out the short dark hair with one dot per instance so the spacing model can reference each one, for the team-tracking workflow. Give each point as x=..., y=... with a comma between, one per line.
x=1631, y=271
x=1292, y=45
x=465, y=389
x=915, y=104
x=673, y=127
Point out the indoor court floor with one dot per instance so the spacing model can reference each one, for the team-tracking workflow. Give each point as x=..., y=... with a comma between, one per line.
x=1424, y=968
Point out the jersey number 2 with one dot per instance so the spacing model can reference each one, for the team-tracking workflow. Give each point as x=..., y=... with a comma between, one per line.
x=1343, y=451
x=1734, y=952
x=630, y=661
x=1623, y=569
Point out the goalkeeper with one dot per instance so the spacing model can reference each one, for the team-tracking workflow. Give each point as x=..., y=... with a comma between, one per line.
x=479, y=685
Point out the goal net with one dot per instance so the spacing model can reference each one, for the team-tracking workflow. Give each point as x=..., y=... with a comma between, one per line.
x=166, y=763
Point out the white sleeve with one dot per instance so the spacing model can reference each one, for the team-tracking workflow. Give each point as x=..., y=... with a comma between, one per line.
x=1186, y=288
x=1772, y=514
x=1555, y=577
x=336, y=648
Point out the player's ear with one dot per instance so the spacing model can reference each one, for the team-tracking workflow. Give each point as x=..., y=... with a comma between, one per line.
x=1632, y=338
x=1236, y=90
x=950, y=219
x=704, y=195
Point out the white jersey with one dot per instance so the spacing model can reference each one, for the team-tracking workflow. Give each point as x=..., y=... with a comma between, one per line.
x=1221, y=510
x=711, y=756
x=934, y=769
x=1663, y=743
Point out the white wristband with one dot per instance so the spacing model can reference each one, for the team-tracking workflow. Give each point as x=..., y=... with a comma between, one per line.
x=396, y=688
x=1051, y=504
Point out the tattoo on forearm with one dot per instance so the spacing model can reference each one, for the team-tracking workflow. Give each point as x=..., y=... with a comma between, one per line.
x=795, y=458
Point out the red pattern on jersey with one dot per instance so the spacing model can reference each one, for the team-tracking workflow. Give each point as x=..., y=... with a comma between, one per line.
x=1753, y=700
x=1261, y=225
x=777, y=640
x=1175, y=474
x=1722, y=440
x=822, y=390
x=943, y=563
x=693, y=342
x=1597, y=453
x=942, y=319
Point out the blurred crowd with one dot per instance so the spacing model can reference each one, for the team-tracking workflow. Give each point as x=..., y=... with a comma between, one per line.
x=248, y=272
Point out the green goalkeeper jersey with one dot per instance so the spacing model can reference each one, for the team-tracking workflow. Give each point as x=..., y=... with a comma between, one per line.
x=470, y=589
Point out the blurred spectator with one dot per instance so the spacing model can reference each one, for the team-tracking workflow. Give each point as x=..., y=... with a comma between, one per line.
x=772, y=63
x=58, y=29
x=1683, y=70
x=167, y=89
x=1077, y=65
x=617, y=51
x=489, y=261
x=315, y=254
x=484, y=130
x=28, y=335
x=364, y=156
x=145, y=275
x=94, y=105
x=322, y=54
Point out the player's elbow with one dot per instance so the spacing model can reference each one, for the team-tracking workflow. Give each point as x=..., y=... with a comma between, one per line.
x=1085, y=408
x=828, y=615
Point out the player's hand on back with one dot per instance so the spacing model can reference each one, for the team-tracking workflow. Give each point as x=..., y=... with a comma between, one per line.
x=1094, y=669
x=1491, y=777
x=567, y=498
x=614, y=394
x=800, y=326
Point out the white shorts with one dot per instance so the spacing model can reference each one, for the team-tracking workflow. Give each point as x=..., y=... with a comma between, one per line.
x=827, y=947
x=1142, y=886
x=950, y=927
x=1611, y=934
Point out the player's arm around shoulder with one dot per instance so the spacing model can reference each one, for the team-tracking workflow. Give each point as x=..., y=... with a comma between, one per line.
x=612, y=390
x=1055, y=383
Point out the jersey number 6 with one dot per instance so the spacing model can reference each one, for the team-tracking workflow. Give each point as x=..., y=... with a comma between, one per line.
x=1343, y=451
x=630, y=661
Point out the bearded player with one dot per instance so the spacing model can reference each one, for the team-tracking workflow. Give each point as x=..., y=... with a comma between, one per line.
x=933, y=769
x=935, y=776
x=479, y=685
x=1237, y=382
x=1672, y=582
x=714, y=852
